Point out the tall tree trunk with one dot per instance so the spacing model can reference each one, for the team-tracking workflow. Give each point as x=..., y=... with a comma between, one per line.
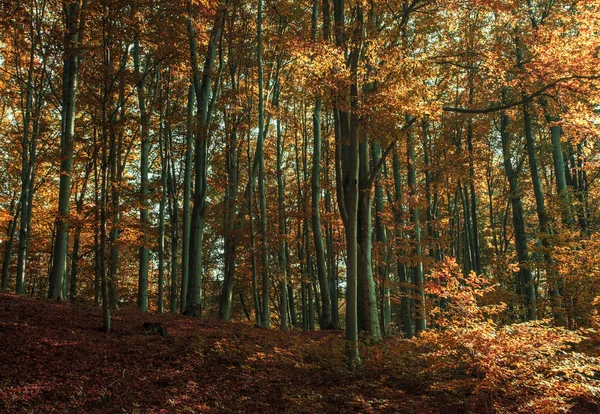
x=27, y=169
x=74, y=28
x=381, y=238
x=142, y=296
x=310, y=279
x=368, y=318
x=173, y=204
x=202, y=85
x=187, y=194
x=106, y=322
x=326, y=317
x=266, y=313
x=473, y=199
x=347, y=171
x=525, y=283
x=231, y=194
x=559, y=166
x=255, y=296
x=283, y=305
x=77, y=238
x=164, y=165
x=325, y=321
x=418, y=281
x=406, y=321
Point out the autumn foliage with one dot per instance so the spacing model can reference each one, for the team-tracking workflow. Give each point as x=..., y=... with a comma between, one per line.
x=421, y=175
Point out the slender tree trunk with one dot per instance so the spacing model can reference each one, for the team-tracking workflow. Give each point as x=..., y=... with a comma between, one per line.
x=231, y=194
x=310, y=282
x=406, y=321
x=27, y=169
x=173, y=204
x=326, y=319
x=104, y=224
x=381, y=237
x=187, y=194
x=332, y=267
x=473, y=199
x=292, y=305
x=164, y=151
x=97, y=253
x=420, y=315
x=283, y=306
x=266, y=322
x=11, y=231
x=255, y=297
x=142, y=297
x=115, y=175
x=77, y=238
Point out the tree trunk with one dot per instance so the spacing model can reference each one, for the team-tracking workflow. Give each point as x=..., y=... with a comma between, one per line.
x=418, y=281
x=347, y=171
x=231, y=193
x=525, y=284
x=142, y=297
x=202, y=86
x=381, y=238
x=368, y=318
x=406, y=322
x=326, y=320
x=10, y=232
x=74, y=27
x=266, y=312
x=187, y=194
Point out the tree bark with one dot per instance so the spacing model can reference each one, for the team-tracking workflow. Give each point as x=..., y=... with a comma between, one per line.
x=202, y=85
x=74, y=28
x=525, y=284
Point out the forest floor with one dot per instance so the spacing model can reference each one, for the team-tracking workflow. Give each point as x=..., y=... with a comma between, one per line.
x=54, y=357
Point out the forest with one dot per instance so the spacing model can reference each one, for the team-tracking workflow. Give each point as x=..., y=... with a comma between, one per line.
x=396, y=201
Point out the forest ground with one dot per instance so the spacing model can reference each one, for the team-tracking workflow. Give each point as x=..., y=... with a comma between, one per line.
x=54, y=357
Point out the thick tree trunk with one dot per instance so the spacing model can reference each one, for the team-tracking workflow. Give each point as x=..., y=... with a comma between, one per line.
x=347, y=174
x=74, y=27
x=368, y=317
x=525, y=285
x=202, y=85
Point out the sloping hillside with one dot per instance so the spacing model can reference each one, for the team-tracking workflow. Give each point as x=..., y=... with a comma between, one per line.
x=53, y=357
